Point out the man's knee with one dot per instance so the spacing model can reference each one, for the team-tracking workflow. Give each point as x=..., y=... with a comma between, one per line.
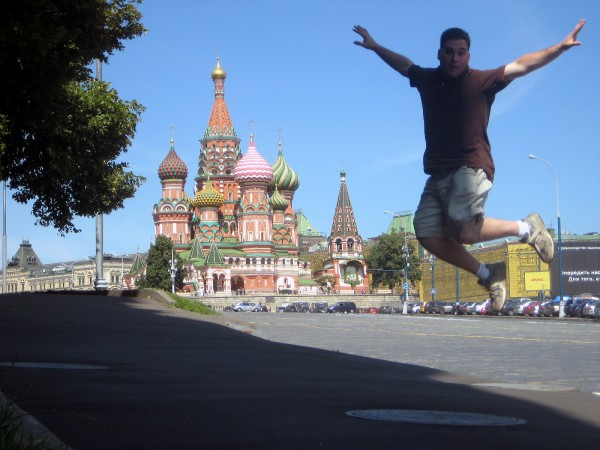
x=470, y=233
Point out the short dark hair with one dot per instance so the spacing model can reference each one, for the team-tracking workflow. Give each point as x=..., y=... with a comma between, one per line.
x=455, y=33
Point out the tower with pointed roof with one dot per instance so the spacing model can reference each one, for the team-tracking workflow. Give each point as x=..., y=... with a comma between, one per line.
x=173, y=212
x=346, y=262
x=242, y=228
x=220, y=153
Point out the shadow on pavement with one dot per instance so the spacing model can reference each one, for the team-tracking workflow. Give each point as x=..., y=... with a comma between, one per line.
x=174, y=379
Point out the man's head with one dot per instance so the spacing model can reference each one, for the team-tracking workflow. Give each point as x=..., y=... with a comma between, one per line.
x=454, y=52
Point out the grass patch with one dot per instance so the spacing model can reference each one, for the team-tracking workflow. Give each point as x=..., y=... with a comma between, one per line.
x=12, y=436
x=192, y=305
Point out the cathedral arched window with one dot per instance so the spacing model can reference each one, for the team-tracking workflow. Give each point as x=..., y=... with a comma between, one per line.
x=339, y=245
x=350, y=244
x=230, y=260
x=262, y=260
x=248, y=261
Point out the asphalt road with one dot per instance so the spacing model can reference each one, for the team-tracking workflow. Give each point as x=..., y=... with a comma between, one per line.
x=536, y=353
x=131, y=373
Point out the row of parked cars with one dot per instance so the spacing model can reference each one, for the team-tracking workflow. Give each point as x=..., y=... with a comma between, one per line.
x=580, y=306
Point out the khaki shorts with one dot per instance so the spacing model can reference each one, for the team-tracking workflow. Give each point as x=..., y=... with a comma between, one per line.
x=451, y=200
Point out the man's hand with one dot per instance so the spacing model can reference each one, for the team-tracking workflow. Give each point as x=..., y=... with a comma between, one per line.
x=533, y=61
x=571, y=39
x=368, y=42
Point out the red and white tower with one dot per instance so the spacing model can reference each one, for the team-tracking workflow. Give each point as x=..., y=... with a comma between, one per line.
x=173, y=212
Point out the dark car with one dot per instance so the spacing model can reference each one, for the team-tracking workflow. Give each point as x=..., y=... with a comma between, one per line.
x=448, y=307
x=286, y=307
x=433, y=307
x=508, y=309
x=319, y=307
x=342, y=307
x=574, y=308
x=301, y=306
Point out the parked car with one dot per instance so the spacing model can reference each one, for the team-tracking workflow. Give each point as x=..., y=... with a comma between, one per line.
x=384, y=309
x=412, y=308
x=319, y=307
x=550, y=308
x=471, y=307
x=487, y=309
x=574, y=307
x=244, y=306
x=508, y=309
x=342, y=307
x=590, y=307
x=481, y=306
x=520, y=309
x=461, y=309
x=434, y=307
x=286, y=307
x=260, y=308
x=532, y=308
x=448, y=307
x=301, y=306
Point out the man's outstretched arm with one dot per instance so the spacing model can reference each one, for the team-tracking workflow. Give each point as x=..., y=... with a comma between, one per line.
x=396, y=61
x=533, y=61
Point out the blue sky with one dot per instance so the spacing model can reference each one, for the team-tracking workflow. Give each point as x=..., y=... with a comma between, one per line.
x=291, y=65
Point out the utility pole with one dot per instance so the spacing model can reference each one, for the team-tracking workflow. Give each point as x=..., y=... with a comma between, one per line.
x=100, y=283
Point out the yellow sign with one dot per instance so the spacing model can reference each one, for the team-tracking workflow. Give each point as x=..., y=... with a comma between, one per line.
x=537, y=281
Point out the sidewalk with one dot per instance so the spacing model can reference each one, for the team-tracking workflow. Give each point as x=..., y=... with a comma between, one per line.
x=131, y=373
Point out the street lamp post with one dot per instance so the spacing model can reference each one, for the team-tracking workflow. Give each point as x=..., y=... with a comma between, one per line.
x=561, y=310
x=433, y=291
x=100, y=283
x=172, y=270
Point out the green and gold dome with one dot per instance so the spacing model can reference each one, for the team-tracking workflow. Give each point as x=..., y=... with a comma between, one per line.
x=208, y=197
x=277, y=201
x=284, y=177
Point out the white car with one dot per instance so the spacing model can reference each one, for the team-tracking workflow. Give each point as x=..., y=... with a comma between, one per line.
x=245, y=306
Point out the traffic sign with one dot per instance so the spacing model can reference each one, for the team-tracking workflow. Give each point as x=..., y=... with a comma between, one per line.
x=405, y=285
x=433, y=290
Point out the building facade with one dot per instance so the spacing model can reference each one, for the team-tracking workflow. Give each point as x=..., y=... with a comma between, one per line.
x=238, y=232
x=26, y=273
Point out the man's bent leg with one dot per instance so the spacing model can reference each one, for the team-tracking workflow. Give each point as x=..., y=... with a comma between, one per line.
x=453, y=252
x=487, y=229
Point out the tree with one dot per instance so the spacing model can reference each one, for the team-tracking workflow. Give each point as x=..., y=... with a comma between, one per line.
x=386, y=259
x=158, y=273
x=61, y=131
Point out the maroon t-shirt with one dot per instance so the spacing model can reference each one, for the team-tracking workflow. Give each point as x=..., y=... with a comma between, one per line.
x=456, y=113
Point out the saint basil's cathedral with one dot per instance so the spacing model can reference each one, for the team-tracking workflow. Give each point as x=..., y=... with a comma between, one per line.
x=239, y=232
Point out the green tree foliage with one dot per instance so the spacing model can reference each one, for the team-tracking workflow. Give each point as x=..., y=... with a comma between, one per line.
x=61, y=131
x=158, y=268
x=385, y=260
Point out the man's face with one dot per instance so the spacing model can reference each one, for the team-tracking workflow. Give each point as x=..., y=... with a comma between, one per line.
x=454, y=57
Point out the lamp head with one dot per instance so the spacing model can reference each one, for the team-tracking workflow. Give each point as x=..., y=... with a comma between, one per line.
x=530, y=156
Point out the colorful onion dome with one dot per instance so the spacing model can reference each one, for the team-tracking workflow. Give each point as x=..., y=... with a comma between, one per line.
x=172, y=167
x=208, y=196
x=253, y=167
x=277, y=201
x=283, y=175
x=218, y=73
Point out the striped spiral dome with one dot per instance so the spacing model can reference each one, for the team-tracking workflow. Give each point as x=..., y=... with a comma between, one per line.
x=253, y=167
x=172, y=166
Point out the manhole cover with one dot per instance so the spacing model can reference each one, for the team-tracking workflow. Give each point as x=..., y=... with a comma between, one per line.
x=435, y=417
